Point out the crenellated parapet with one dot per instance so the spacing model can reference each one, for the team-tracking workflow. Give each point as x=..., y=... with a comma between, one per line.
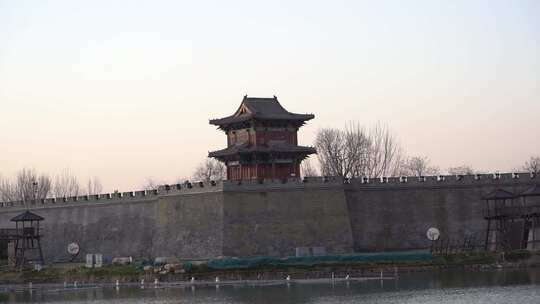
x=437, y=181
x=116, y=197
x=282, y=184
x=385, y=182
x=381, y=183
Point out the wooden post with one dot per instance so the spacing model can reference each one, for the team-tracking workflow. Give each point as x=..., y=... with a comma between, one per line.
x=241, y=171
x=523, y=243
x=273, y=167
x=533, y=228
x=487, y=234
x=40, y=251
x=296, y=174
x=256, y=166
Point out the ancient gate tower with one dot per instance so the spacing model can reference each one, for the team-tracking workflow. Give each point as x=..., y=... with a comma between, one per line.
x=262, y=141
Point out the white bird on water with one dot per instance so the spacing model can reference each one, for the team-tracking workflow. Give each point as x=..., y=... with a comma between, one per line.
x=288, y=278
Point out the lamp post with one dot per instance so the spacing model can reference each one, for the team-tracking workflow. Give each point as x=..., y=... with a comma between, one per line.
x=35, y=185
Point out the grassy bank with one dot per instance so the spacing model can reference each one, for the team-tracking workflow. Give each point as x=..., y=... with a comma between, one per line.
x=136, y=272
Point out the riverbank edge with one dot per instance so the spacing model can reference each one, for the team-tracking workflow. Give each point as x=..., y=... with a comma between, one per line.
x=134, y=274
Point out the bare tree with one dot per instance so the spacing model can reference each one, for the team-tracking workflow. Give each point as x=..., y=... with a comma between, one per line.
x=28, y=185
x=354, y=152
x=384, y=154
x=181, y=180
x=94, y=186
x=308, y=169
x=357, y=148
x=461, y=170
x=418, y=166
x=210, y=169
x=532, y=165
x=66, y=184
x=151, y=184
x=7, y=190
x=330, y=146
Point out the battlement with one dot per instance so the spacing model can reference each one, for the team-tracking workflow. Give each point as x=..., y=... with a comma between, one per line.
x=403, y=181
x=446, y=180
x=284, y=184
x=118, y=197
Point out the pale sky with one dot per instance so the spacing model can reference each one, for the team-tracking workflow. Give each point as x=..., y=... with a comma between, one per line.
x=123, y=90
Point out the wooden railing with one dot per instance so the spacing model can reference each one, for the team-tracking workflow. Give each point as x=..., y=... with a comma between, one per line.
x=447, y=247
x=513, y=211
x=12, y=233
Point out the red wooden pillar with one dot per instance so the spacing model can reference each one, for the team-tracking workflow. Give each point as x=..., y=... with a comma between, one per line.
x=273, y=167
x=256, y=166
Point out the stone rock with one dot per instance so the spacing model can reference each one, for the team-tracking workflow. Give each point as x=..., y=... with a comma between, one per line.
x=122, y=260
x=172, y=267
x=166, y=260
x=148, y=268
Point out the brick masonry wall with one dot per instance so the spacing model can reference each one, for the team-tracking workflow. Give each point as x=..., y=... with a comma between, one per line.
x=267, y=221
x=184, y=225
x=396, y=216
x=273, y=218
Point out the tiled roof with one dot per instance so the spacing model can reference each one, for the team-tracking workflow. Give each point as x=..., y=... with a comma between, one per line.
x=532, y=191
x=27, y=216
x=260, y=108
x=499, y=194
x=246, y=148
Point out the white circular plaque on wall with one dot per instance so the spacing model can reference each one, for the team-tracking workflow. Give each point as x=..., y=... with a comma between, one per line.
x=73, y=248
x=433, y=234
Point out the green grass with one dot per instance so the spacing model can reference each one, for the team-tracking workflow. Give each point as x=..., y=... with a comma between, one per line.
x=326, y=266
x=517, y=255
x=467, y=259
x=133, y=271
x=46, y=274
x=484, y=258
x=106, y=271
x=52, y=274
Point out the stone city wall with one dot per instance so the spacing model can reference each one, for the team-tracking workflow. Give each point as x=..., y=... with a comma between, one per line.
x=203, y=220
x=395, y=213
x=275, y=218
x=182, y=222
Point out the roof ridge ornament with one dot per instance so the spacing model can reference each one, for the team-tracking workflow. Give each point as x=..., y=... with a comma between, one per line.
x=268, y=109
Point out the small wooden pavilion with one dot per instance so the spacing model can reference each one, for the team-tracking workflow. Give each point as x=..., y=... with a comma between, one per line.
x=513, y=220
x=530, y=199
x=27, y=238
x=499, y=213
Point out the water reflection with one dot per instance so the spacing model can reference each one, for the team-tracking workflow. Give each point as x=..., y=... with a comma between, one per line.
x=424, y=287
